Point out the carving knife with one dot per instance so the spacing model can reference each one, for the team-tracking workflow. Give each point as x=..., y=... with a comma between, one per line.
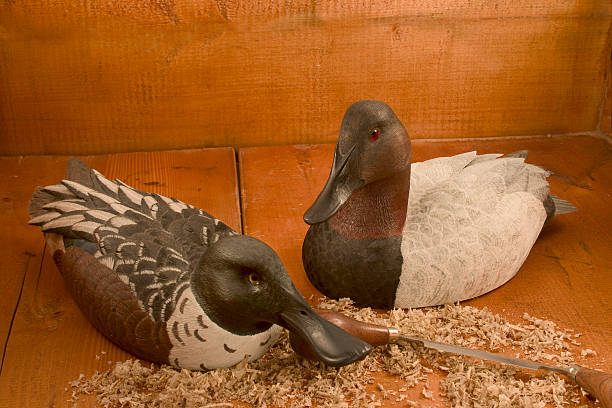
x=596, y=383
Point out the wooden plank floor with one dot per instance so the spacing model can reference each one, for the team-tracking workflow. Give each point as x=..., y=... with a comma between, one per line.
x=47, y=342
x=50, y=341
x=567, y=278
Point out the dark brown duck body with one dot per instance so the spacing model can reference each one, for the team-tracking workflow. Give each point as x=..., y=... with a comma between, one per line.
x=110, y=306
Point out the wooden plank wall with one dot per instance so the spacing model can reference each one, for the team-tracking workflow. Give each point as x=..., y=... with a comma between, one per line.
x=95, y=76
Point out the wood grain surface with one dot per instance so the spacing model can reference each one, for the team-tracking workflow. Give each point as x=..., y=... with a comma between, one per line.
x=606, y=117
x=105, y=76
x=567, y=278
x=50, y=341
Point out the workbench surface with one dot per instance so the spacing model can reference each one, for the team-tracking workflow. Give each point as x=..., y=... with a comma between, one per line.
x=567, y=278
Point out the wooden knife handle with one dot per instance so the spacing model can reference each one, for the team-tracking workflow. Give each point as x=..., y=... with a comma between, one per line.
x=370, y=333
x=596, y=383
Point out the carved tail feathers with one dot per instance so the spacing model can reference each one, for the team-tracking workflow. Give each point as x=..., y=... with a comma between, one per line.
x=521, y=176
x=83, y=201
x=562, y=206
x=76, y=171
x=556, y=205
x=553, y=204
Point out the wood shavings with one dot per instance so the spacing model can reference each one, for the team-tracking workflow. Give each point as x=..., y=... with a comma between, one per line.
x=477, y=383
x=280, y=378
x=588, y=353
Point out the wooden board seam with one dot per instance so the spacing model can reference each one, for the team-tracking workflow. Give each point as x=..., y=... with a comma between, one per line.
x=237, y=189
x=597, y=134
x=241, y=189
x=607, y=83
x=605, y=112
x=25, y=274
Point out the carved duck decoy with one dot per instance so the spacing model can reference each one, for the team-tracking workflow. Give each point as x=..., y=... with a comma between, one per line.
x=170, y=283
x=387, y=233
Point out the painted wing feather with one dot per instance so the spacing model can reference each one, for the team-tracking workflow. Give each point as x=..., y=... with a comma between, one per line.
x=152, y=242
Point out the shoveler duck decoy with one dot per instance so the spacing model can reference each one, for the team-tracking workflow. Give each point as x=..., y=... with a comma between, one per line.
x=170, y=283
x=387, y=233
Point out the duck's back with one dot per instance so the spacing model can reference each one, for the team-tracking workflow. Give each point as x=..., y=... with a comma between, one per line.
x=470, y=224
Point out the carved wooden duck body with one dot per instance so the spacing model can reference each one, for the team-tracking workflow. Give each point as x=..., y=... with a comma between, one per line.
x=170, y=283
x=387, y=233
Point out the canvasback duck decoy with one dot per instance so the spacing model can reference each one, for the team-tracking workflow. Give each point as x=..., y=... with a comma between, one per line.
x=170, y=283
x=387, y=233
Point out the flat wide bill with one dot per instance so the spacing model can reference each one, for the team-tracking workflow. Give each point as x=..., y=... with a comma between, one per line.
x=329, y=343
x=342, y=182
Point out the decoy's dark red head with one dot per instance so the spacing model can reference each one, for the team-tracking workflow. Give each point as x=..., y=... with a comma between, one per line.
x=372, y=145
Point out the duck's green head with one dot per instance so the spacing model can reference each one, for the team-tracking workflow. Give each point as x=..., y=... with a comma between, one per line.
x=372, y=145
x=243, y=286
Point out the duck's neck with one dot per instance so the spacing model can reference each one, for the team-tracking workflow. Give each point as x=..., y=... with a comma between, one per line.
x=376, y=210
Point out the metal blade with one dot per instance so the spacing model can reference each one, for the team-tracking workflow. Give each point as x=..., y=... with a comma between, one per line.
x=484, y=355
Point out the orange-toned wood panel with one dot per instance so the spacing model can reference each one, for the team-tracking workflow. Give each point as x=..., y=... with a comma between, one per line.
x=50, y=341
x=606, y=118
x=21, y=248
x=567, y=278
x=107, y=76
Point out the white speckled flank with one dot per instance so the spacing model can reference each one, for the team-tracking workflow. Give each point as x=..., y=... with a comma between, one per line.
x=200, y=344
x=468, y=229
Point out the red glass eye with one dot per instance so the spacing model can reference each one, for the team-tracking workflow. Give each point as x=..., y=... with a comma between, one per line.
x=374, y=134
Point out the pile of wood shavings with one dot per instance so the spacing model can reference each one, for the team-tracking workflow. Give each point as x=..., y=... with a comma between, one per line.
x=281, y=378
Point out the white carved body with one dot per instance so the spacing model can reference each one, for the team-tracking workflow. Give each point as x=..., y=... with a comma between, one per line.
x=200, y=344
x=470, y=224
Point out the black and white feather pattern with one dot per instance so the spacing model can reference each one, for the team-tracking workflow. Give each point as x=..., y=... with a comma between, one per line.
x=152, y=242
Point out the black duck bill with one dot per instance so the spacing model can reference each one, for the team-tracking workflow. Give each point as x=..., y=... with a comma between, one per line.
x=343, y=181
x=332, y=345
